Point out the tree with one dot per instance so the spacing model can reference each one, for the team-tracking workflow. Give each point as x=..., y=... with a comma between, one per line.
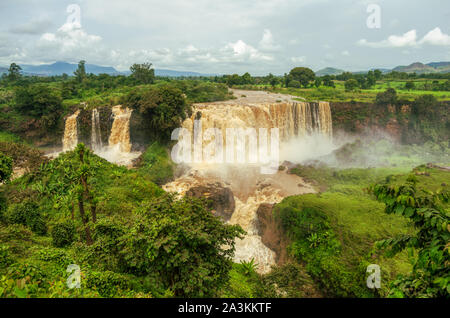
x=39, y=100
x=80, y=73
x=14, y=72
x=327, y=81
x=286, y=79
x=318, y=82
x=351, y=84
x=294, y=84
x=409, y=85
x=388, y=97
x=143, y=73
x=371, y=79
x=424, y=106
x=272, y=80
x=247, y=79
x=377, y=74
x=303, y=74
x=163, y=108
x=234, y=79
x=70, y=181
x=430, y=276
x=6, y=168
x=183, y=244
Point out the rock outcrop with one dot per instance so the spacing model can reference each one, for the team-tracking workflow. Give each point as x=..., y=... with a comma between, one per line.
x=220, y=198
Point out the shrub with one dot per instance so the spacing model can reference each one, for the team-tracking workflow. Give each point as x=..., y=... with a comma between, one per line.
x=6, y=166
x=182, y=242
x=28, y=214
x=63, y=233
x=157, y=164
x=351, y=84
x=424, y=106
x=294, y=84
x=388, y=97
x=38, y=100
x=5, y=258
x=106, y=283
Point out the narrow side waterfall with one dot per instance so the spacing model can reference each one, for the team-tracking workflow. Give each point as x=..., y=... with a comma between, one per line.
x=120, y=131
x=96, y=135
x=119, y=145
x=70, y=139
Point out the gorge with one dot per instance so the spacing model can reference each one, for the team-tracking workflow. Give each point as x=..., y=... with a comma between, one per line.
x=243, y=184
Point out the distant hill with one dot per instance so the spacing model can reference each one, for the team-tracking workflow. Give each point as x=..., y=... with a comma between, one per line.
x=170, y=73
x=59, y=68
x=329, y=71
x=415, y=67
x=420, y=68
x=439, y=64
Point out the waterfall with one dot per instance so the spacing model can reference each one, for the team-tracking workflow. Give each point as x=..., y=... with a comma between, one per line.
x=119, y=145
x=96, y=134
x=120, y=131
x=294, y=119
x=304, y=128
x=70, y=139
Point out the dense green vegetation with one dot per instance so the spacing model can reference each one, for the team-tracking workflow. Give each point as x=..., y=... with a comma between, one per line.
x=132, y=239
x=429, y=211
x=32, y=107
x=128, y=236
x=334, y=233
x=156, y=164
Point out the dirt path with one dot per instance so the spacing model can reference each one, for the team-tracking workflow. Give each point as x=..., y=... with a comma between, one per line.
x=247, y=97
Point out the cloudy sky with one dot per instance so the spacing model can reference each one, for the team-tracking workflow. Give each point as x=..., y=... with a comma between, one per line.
x=226, y=36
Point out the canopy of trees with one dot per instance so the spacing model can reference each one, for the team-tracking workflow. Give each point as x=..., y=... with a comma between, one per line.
x=143, y=73
x=164, y=108
x=303, y=75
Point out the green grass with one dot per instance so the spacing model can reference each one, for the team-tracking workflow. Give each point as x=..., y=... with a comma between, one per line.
x=339, y=94
x=344, y=222
x=156, y=164
x=9, y=137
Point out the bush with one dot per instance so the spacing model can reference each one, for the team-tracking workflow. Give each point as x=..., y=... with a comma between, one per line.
x=6, y=166
x=28, y=214
x=106, y=283
x=63, y=233
x=351, y=84
x=157, y=164
x=388, y=97
x=424, y=106
x=294, y=84
x=39, y=100
x=163, y=108
x=182, y=242
x=5, y=258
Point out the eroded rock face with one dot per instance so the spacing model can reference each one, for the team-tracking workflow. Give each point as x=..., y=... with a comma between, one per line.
x=221, y=199
x=270, y=232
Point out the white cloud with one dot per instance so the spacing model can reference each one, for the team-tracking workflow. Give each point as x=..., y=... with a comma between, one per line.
x=407, y=39
x=69, y=38
x=436, y=37
x=267, y=42
x=242, y=51
x=345, y=53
